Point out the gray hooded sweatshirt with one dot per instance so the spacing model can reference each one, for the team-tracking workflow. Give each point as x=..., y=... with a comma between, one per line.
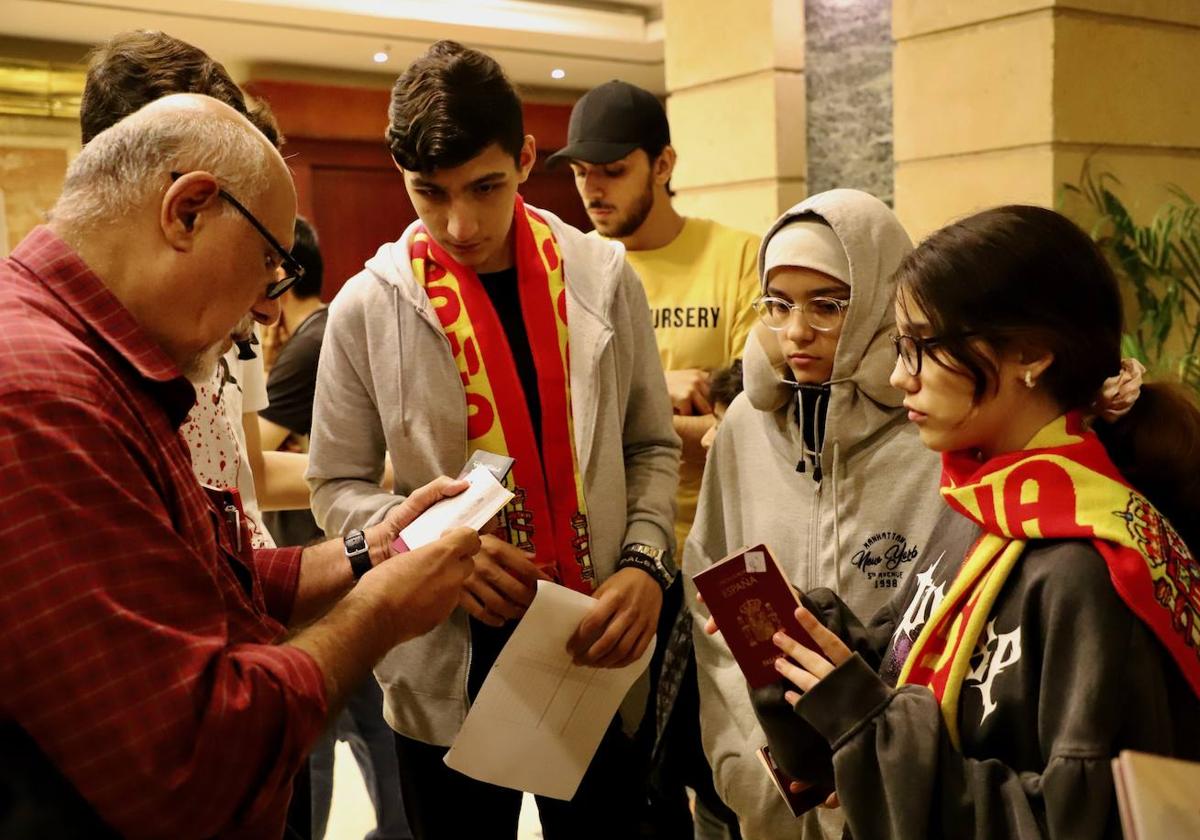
x=387, y=382
x=855, y=520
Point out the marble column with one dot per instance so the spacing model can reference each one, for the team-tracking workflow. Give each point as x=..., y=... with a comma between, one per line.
x=848, y=70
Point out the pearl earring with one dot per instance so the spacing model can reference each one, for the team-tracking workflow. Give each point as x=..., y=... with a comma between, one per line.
x=1028, y=379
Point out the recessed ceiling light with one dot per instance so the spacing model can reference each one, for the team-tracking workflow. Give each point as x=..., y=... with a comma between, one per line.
x=381, y=57
x=558, y=73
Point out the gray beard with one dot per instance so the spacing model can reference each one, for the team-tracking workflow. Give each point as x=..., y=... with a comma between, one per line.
x=202, y=367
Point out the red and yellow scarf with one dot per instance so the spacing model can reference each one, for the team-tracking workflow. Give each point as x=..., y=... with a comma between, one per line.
x=548, y=515
x=1061, y=486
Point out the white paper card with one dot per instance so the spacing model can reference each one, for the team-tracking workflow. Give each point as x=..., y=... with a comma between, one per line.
x=539, y=718
x=756, y=561
x=472, y=508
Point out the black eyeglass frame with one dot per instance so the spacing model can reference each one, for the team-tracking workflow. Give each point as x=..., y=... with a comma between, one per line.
x=292, y=270
x=923, y=346
x=760, y=307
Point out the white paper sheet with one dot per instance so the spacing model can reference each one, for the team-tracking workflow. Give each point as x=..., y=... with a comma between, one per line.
x=472, y=507
x=539, y=718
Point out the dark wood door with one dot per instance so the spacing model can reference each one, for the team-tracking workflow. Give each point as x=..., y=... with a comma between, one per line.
x=355, y=211
x=355, y=197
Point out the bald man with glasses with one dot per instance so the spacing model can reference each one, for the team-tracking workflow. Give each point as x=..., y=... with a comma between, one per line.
x=161, y=677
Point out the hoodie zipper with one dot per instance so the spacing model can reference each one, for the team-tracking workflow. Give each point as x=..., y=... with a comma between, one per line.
x=814, y=535
x=465, y=441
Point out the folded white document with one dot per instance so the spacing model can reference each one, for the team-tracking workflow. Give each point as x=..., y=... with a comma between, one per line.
x=471, y=508
x=539, y=718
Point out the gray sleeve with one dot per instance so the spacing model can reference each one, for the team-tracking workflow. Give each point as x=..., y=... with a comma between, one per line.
x=868, y=640
x=347, y=446
x=730, y=732
x=650, y=444
x=900, y=777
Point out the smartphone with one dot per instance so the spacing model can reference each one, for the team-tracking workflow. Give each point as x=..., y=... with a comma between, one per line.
x=498, y=465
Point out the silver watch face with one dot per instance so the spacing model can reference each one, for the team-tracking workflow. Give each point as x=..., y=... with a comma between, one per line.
x=653, y=552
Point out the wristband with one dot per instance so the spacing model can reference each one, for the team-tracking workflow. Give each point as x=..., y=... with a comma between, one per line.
x=354, y=545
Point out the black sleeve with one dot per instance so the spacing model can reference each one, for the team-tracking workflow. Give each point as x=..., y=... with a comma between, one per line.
x=292, y=383
x=799, y=749
x=868, y=640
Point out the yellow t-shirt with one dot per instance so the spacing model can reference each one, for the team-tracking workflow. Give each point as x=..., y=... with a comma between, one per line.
x=700, y=288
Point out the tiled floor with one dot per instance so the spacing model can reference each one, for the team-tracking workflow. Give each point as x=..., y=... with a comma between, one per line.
x=351, y=816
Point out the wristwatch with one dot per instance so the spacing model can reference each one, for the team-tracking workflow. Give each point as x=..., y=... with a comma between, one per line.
x=650, y=559
x=355, y=546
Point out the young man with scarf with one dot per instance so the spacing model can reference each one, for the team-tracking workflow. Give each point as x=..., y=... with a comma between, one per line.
x=701, y=280
x=492, y=325
x=1055, y=621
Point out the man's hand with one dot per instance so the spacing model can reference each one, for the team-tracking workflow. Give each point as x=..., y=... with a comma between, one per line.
x=420, y=588
x=619, y=628
x=689, y=391
x=380, y=537
x=503, y=584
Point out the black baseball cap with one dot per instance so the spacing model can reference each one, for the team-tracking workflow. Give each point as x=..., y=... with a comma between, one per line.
x=610, y=121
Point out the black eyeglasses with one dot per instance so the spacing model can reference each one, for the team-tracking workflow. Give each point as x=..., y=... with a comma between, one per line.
x=912, y=349
x=292, y=270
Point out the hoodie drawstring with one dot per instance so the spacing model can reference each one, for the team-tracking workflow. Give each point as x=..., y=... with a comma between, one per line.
x=405, y=353
x=837, y=531
x=815, y=418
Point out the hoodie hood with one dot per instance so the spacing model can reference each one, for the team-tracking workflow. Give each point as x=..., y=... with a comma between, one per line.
x=861, y=400
x=392, y=266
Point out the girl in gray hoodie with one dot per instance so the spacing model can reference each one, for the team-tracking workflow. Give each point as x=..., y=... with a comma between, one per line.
x=815, y=459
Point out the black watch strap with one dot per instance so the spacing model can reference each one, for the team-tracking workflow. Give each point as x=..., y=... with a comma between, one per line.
x=653, y=561
x=355, y=546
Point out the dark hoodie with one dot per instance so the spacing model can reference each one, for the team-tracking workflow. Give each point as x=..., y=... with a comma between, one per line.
x=1064, y=678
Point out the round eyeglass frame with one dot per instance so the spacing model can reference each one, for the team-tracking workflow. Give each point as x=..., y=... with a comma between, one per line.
x=761, y=306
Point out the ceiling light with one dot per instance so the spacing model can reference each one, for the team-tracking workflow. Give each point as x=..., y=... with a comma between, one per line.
x=558, y=73
x=381, y=57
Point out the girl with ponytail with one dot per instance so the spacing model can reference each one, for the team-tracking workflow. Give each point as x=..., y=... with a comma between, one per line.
x=1055, y=620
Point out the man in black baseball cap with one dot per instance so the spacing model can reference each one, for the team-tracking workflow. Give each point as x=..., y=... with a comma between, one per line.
x=610, y=121
x=701, y=279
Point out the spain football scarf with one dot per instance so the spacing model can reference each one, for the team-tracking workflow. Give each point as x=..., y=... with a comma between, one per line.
x=1061, y=486
x=548, y=516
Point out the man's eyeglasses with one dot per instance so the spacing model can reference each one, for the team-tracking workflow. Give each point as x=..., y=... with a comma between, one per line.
x=912, y=349
x=823, y=314
x=292, y=270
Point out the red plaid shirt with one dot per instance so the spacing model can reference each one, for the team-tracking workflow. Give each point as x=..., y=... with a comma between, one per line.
x=140, y=645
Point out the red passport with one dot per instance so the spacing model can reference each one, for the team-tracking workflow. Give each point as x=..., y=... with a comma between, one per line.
x=797, y=803
x=750, y=599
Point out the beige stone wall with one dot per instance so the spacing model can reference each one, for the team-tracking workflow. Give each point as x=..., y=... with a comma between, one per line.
x=34, y=154
x=1002, y=100
x=736, y=105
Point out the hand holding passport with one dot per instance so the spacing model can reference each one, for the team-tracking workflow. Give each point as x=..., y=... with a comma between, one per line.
x=750, y=599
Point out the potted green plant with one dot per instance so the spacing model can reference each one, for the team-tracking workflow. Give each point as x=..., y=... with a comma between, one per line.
x=1160, y=263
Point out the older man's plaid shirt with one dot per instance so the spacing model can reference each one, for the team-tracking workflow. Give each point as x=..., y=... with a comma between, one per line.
x=140, y=644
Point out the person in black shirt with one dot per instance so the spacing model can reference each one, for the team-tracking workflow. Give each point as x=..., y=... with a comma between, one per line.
x=286, y=422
